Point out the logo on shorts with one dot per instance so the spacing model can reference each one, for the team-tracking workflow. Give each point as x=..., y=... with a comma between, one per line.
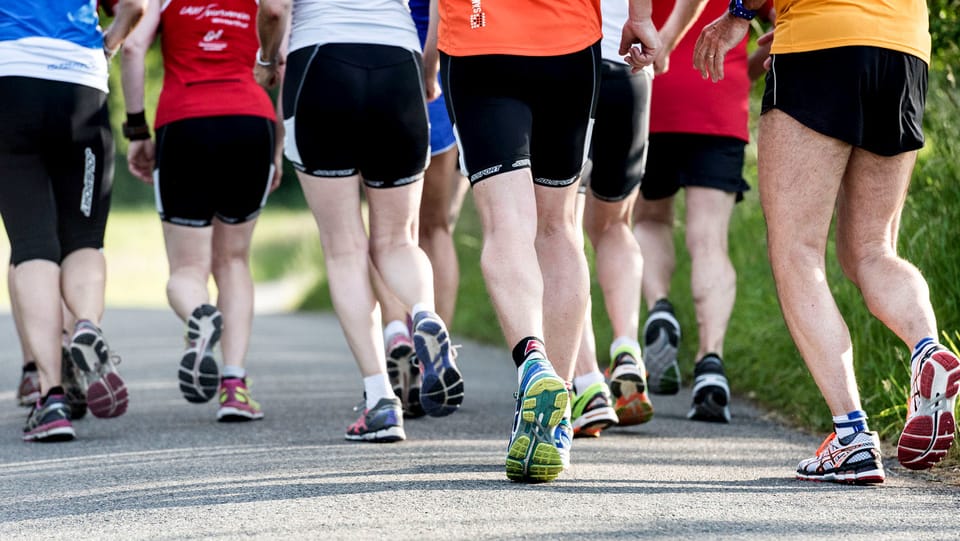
x=478, y=19
x=485, y=173
x=89, y=168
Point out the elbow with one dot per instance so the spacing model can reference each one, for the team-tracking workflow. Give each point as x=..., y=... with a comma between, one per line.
x=274, y=10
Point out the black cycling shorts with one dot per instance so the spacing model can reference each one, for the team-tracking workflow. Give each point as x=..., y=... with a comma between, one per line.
x=208, y=167
x=512, y=112
x=871, y=98
x=56, y=155
x=352, y=109
x=679, y=160
x=618, y=152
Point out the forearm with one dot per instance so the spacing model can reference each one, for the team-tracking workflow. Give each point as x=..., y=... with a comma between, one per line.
x=640, y=10
x=430, y=43
x=272, y=19
x=133, y=58
x=128, y=14
x=684, y=14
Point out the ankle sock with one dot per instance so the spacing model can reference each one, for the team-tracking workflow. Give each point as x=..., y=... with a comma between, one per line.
x=395, y=327
x=30, y=367
x=582, y=383
x=918, y=349
x=624, y=343
x=376, y=387
x=232, y=371
x=57, y=390
x=851, y=423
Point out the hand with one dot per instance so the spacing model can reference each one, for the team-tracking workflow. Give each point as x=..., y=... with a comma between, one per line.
x=715, y=41
x=661, y=64
x=141, y=159
x=759, y=61
x=639, y=32
x=277, y=171
x=269, y=76
x=431, y=65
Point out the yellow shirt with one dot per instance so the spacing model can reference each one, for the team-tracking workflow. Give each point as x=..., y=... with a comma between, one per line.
x=810, y=25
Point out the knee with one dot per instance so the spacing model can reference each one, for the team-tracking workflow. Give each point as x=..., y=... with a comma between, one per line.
x=855, y=261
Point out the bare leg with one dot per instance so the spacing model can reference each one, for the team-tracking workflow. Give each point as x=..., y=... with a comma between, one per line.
x=653, y=229
x=346, y=257
x=14, y=312
x=231, y=271
x=189, y=257
x=800, y=172
x=713, y=280
x=868, y=216
x=443, y=193
x=36, y=290
x=563, y=265
x=83, y=282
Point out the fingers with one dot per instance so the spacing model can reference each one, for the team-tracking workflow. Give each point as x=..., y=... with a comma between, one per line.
x=766, y=38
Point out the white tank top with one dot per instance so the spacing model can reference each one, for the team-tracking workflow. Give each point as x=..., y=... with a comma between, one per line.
x=377, y=22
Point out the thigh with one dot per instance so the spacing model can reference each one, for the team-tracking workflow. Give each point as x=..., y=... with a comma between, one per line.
x=620, y=133
x=493, y=125
x=395, y=122
x=562, y=92
x=184, y=186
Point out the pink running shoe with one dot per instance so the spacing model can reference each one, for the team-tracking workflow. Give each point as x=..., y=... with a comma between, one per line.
x=106, y=392
x=930, y=427
x=236, y=404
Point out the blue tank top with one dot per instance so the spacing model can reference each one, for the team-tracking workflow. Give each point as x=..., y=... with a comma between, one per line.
x=75, y=21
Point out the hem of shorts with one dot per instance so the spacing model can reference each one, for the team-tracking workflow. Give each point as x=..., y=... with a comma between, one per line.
x=442, y=150
x=813, y=122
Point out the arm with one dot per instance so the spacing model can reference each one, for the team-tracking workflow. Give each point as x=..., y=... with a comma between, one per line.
x=717, y=38
x=431, y=56
x=140, y=151
x=759, y=61
x=639, y=30
x=128, y=14
x=273, y=20
x=684, y=13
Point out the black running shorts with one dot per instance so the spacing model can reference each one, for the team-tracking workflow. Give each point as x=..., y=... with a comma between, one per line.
x=679, y=160
x=618, y=151
x=208, y=167
x=356, y=109
x=871, y=98
x=512, y=112
x=56, y=154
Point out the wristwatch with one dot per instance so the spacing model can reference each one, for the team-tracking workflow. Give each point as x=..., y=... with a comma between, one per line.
x=737, y=10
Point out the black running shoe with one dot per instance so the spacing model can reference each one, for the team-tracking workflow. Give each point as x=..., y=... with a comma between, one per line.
x=73, y=387
x=49, y=421
x=661, y=339
x=199, y=374
x=711, y=394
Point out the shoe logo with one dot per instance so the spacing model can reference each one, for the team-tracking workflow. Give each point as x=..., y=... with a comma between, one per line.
x=835, y=458
x=534, y=345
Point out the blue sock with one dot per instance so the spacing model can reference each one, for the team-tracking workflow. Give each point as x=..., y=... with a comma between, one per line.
x=917, y=349
x=851, y=423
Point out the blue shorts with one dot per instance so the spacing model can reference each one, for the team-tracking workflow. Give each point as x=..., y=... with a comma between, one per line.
x=441, y=130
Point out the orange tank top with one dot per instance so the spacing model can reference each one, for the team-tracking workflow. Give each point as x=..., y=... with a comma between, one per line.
x=810, y=25
x=518, y=27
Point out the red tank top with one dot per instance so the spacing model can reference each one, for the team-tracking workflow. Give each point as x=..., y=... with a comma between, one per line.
x=208, y=57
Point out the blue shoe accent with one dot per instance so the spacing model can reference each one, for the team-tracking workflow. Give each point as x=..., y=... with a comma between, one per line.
x=441, y=391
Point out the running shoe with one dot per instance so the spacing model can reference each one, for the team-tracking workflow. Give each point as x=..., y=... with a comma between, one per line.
x=853, y=460
x=441, y=391
x=28, y=392
x=930, y=427
x=199, y=374
x=72, y=381
x=403, y=369
x=49, y=421
x=661, y=335
x=537, y=447
x=236, y=404
x=593, y=411
x=563, y=439
x=106, y=392
x=711, y=394
x=629, y=388
x=382, y=424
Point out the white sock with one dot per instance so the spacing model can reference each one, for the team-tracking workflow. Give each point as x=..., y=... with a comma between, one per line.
x=422, y=307
x=622, y=341
x=581, y=383
x=851, y=423
x=376, y=387
x=232, y=371
x=395, y=327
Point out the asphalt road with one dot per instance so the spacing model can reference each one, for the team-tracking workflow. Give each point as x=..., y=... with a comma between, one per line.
x=167, y=470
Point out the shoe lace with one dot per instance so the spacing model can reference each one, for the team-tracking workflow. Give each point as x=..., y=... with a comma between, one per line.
x=826, y=443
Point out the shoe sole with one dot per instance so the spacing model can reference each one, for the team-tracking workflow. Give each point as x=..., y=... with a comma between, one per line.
x=237, y=415
x=660, y=358
x=199, y=374
x=633, y=409
x=52, y=432
x=591, y=423
x=73, y=390
x=441, y=391
x=107, y=394
x=711, y=399
x=532, y=456
x=867, y=477
x=631, y=403
x=395, y=359
x=386, y=435
x=929, y=432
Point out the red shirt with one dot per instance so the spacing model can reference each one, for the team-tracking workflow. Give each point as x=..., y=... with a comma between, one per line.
x=684, y=102
x=208, y=57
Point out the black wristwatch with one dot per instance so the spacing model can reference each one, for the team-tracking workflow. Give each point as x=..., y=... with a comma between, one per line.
x=737, y=10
